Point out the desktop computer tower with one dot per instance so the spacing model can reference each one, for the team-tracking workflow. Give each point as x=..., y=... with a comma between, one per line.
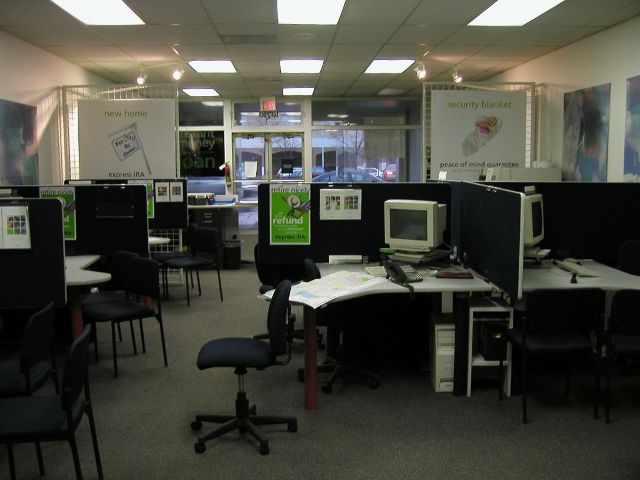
x=442, y=351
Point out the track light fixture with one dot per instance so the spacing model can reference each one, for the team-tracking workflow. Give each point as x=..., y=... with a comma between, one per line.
x=177, y=73
x=421, y=71
x=141, y=79
x=457, y=77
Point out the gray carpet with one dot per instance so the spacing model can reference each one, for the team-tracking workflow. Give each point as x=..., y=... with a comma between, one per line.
x=401, y=430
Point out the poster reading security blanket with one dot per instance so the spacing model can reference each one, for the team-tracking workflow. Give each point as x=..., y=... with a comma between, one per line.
x=472, y=131
x=290, y=207
x=129, y=140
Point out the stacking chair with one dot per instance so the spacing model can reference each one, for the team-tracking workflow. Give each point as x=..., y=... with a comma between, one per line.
x=142, y=286
x=36, y=362
x=558, y=324
x=335, y=318
x=162, y=256
x=53, y=417
x=241, y=354
x=203, y=252
x=620, y=339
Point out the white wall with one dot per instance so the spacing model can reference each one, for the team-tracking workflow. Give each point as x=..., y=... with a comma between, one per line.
x=31, y=76
x=610, y=56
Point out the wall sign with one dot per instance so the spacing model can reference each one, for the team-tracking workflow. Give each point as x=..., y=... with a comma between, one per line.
x=290, y=217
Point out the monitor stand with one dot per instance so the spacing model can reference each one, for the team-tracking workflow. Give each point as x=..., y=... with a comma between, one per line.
x=420, y=258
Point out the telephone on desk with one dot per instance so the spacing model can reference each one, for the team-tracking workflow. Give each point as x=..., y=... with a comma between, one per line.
x=401, y=273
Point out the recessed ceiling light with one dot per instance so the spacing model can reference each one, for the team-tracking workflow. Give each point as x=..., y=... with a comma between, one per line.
x=100, y=12
x=301, y=66
x=212, y=66
x=337, y=115
x=512, y=13
x=310, y=12
x=200, y=92
x=298, y=91
x=389, y=66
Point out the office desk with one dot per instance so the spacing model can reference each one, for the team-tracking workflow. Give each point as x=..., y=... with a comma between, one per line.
x=551, y=276
x=460, y=287
x=76, y=277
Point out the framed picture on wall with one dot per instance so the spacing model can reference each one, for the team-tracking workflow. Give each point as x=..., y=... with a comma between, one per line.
x=632, y=131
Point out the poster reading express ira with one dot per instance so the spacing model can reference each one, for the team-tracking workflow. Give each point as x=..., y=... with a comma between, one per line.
x=290, y=206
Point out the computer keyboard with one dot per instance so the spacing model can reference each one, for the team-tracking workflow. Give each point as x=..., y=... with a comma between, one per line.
x=576, y=268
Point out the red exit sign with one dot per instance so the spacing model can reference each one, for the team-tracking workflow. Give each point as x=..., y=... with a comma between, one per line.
x=267, y=104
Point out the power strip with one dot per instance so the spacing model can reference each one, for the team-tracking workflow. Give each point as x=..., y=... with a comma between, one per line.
x=345, y=259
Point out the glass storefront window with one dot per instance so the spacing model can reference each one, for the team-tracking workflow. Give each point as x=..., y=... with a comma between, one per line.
x=248, y=114
x=201, y=155
x=200, y=113
x=375, y=112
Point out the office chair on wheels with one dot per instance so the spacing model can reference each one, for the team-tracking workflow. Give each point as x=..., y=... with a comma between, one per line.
x=556, y=323
x=244, y=353
x=335, y=317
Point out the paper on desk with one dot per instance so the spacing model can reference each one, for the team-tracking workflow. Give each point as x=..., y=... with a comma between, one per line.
x=338, y=284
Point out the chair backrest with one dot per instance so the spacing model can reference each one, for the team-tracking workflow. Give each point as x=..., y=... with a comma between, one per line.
x=558, y=311
x=37, y=339
x=629, y=257
x=204, y=240
x=625, y=309
x=75, y=370
x=142, y=277
x=118, y=267
x=311, y=270
x=264, y=273
x=277, y=318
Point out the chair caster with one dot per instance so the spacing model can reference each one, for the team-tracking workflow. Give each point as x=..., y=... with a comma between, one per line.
x=264, y=448
x=374, y=384
x=292, y=426
x=196, y=426
x=199, y=447
x=327, y=388
x=301, y=375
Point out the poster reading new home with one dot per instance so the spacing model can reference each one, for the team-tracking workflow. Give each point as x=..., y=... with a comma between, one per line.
x=472, y=131
x=290, y=206
x=129, y=140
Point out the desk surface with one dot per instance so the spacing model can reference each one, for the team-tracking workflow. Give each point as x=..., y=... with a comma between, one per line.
x=75, y=272
x=551, y=276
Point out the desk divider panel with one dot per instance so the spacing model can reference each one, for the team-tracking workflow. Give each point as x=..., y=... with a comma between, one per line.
x=346, y=237
x=490, y=234
x=587, y=220
x=33, y=277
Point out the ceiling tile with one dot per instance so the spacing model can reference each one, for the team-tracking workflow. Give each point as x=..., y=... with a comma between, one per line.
x=154, y=34
x=157, y=12
x=151, y=53
x=451, y=54
x=306, y=33
x=261, y=67
x=352, y=52
x=422, y=35
x=578, y=12
x=203, y=52
x=241, y=11
x=95, y=53
x=254, y=52
x=36, y=12
x=339, y=67
x=302, y=50
x=621, y=15
x=377, y=12
x=364, y=33
x=402, y=51
x=442, y=12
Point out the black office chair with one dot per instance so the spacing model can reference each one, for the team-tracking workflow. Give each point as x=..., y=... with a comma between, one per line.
x=203, y=252
x=621, y=338
x=268, y=278
x=53, y=417
x=162, y=256
x=243, y=353
x=142, y=284
x=556, y=323
x=336, y=317
x=629, y=257
x=36, y=362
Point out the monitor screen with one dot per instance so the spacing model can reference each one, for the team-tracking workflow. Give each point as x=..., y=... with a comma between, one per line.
x=533, y=220
x=414, y=225
x=409, y=224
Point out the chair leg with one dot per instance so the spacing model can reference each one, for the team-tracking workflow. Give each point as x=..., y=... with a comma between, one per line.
x=500, y=378
x=40, y=461
x=567, y=385
x=94, y=440
x=133, y=337
x=219, y=282
x=607, y=388
x=119, y=332
x=54, y=372
x=164, y=348
x=596, y=386
x=76, y=457
x=198, y=277
x=144, y=346
x=114, y=350
x=94, y=333
x=12, y=463
x=524, y=387
x=187, y=284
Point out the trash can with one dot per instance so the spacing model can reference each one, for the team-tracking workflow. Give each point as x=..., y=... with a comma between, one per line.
x=231, y=257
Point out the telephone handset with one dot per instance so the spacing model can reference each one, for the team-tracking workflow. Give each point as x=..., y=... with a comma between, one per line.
x=402, y=273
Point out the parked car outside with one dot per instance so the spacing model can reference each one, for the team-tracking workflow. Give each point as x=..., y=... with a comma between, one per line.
x=390, y=173
x=296, y=173
x=372, y=170
x=346, y=175
x=316, y=170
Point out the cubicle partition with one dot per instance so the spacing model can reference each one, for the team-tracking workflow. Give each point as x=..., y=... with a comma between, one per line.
x=587, y=220
x=345, y=237
x=32, y=277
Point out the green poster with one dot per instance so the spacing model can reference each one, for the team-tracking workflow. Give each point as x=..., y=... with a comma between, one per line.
x=68, y=197
x=150, y=195
x=290, y=214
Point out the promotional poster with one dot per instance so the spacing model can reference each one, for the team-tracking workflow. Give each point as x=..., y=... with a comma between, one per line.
x=290, y=206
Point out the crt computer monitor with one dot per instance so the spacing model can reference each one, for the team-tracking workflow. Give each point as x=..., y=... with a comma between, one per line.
x=414, y=225
x=533, y=220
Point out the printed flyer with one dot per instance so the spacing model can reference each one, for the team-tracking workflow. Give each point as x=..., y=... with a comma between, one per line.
x=290, y=207
x=68, y=197
x=340, y=204
x=151, y=204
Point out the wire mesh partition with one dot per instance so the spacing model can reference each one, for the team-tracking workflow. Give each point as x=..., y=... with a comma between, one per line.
x=429, y=87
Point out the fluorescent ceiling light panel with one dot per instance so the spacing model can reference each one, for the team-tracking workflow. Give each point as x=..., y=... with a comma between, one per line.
x=212, y=66
x=298, y=91
x=301, y=66
x=100, y=12
x=200, y=92
x=212, y=104
x=389, y=66
x=309, y=12
x=513, y=13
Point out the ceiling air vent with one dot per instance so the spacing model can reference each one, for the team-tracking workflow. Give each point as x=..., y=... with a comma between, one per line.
x=249, y=39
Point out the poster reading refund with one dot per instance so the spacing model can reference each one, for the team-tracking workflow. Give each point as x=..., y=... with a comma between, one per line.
x=290, y=218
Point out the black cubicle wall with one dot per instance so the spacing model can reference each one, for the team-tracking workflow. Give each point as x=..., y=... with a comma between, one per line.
x=346, y=237
x=108, y=218
x=587, y=220
x=488, y=233
x=167, y=215
x=33, y=277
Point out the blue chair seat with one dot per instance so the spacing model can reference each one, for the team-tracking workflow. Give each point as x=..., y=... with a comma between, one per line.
x=13, y=381
x=551, y=344
x=118, y=311
x=235, y=352
x=625, y=345
x=23, y=418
